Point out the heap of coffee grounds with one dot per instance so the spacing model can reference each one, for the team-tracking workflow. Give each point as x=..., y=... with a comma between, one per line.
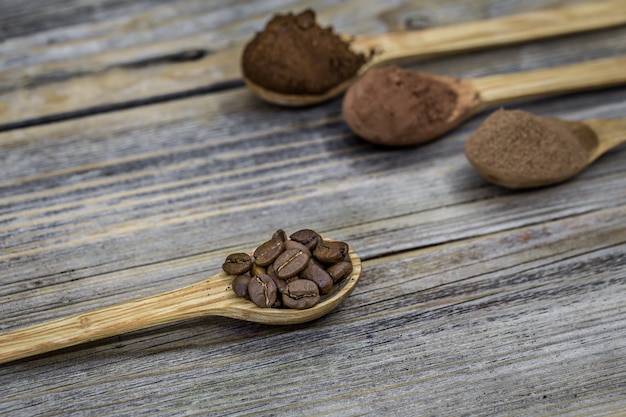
x=394, y=106
x=519, y=145
x=290, y=272
x=294, y=55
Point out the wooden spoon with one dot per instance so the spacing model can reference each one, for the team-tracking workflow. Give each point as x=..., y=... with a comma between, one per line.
x=596, y=136
x=473, y=96
x=211, y=297
x=405, y=46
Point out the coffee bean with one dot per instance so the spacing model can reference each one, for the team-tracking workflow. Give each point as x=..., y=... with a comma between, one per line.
x=343, y=247
x=271, y=271
x=314, y=272
x=329, y=252
x=290, y=263
x=262, y=291
x=240, y=285
x=340, y=270
x=281, y=284
x=280, y=235
x=257, y=270
x=268, y=252
x=307, y=237
x=301, y=294
x=292, y=244
x=237, y=264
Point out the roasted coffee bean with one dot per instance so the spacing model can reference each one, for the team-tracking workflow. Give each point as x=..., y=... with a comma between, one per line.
x=280, y=235
x=307, y=237
x=262, y=291
x=281, y=284
x=268, y=252
x=290, y=263
x=237, y=264
x=301, y=294
x=292, y=244
x=257, y=270
x=240, y=285
x=270, y=271
x=343, y=247
x=329, y=252
x=340, y=270
x=314, y=272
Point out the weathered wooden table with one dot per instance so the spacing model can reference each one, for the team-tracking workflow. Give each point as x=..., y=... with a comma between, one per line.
x=133, y=160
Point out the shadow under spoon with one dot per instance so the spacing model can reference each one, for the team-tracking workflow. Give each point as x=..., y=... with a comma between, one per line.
x=211, y=297
x=406, y=46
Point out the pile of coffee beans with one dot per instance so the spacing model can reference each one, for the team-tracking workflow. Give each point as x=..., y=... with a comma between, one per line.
x=291, y=272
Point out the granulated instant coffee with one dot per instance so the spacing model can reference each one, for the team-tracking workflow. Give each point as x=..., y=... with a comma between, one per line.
x=294, y=55
x=517, y=145
x=394, y=106
x=290, y=271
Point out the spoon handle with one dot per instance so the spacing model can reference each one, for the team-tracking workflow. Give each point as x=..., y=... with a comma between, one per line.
x=609, y=133
x=188, y=302
x=502, y=31
x=500, y=89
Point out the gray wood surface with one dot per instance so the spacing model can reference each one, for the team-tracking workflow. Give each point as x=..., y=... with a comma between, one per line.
x=474, y=299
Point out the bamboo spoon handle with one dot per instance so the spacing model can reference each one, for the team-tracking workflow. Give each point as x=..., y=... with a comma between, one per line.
x=499, y=89
x=494, y=32
x=192, y=301
x=609, y=133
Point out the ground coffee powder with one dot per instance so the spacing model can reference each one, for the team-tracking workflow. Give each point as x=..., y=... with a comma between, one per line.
x=294, y=55
x=397, y=107
x=519, y=145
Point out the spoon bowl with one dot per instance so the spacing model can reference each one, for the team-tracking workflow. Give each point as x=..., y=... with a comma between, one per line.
x=595, y=137
x=411, y=45
x=294, y=100
x=211, y=297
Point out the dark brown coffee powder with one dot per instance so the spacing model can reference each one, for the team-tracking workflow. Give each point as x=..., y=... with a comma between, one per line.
x=294, y=55
x=517, y=145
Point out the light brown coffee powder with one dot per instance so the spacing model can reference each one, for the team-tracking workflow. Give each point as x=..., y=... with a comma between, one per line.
x=395, y=106
x=518, y=144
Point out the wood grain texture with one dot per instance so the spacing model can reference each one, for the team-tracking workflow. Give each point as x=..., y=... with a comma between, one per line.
x=502, y=89
x=473, y=300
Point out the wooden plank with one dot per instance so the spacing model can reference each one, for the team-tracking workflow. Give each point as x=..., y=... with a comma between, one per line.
x=530, y=318
x=185, y=47
x=105, y=209
x=21, y=19
x=125, y=165
x=474, y=300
